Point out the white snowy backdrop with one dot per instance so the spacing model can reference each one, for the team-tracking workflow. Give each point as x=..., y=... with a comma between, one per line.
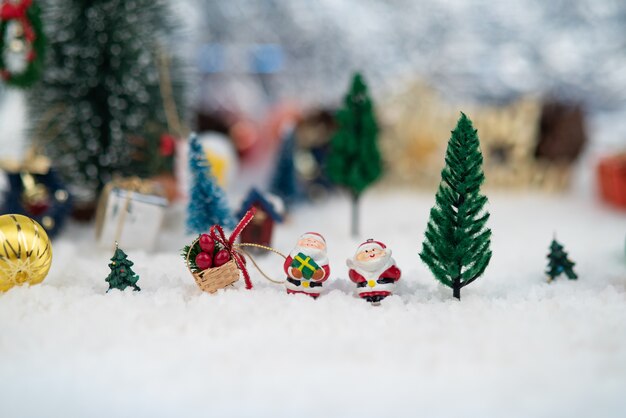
x=514, y=346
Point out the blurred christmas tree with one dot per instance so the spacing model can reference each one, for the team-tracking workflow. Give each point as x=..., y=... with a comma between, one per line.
x=110, y=94
x=285, y=180
x=558, y=262
x=121, y=275
x=354, y=160
x=207, y=201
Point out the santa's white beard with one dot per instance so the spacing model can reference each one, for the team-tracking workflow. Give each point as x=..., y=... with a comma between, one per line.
x=372, y=265
x=319, y=256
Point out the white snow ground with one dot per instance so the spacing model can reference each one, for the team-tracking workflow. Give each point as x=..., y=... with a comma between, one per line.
x=514, y=346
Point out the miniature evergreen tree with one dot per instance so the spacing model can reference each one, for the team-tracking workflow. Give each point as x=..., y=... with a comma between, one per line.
x=100, y=108
x=285, y=179
x=456, y=246
x=558, y=263
x=354, y=160
x=207, y=201
x=122, y=275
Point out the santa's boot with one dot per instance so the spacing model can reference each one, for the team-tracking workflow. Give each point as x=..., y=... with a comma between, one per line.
x=374, y=300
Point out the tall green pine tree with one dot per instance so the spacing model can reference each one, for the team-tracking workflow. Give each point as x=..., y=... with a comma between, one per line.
x=122, y=275
x=98, y=109
x=457, y=243
x=354, y=159
x=558, y=262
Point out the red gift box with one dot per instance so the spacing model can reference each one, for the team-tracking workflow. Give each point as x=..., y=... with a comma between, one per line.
x=612, y=178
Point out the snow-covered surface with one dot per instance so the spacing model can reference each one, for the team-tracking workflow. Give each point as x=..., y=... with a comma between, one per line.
x=514, y=346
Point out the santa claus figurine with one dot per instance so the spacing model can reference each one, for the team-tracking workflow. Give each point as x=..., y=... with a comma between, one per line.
x=307, y=265
x=374, y=271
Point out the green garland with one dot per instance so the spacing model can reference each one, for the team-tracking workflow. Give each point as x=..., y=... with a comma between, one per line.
x=33, y=70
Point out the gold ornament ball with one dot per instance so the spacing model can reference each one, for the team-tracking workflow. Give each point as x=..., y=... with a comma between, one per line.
x=25, y=252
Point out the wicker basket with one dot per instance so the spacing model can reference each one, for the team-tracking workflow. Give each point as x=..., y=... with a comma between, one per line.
x=216, y=278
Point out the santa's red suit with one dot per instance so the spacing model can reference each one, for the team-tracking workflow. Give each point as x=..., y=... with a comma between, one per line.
x=311, y=245
x=376, y=275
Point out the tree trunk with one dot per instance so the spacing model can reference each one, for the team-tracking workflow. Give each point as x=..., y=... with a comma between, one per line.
x=456, y=288
x=355, y=215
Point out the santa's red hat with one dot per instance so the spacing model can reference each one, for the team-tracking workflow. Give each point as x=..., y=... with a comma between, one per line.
x=370, y=244
x=313, y=235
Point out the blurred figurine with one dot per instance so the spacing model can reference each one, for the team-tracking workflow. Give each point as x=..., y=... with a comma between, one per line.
x=307, y=265
x=374, y=271
x=269, y=210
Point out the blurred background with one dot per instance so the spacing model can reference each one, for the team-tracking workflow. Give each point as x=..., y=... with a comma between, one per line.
x=544, y=83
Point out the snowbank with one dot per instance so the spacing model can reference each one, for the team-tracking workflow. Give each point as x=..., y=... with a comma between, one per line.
x=514, y=346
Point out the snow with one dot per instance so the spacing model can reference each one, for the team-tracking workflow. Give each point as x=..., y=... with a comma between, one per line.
x=514, y=346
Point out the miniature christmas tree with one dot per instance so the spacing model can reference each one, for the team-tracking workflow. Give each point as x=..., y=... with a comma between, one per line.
x=207, y=201
x=108, y=96
x=456, y=247
x=559, y=263
x=285, y=180
x=122, y=275
x=354, y=160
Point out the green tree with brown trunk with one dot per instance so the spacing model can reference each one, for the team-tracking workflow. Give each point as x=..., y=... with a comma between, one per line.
x=457, y=244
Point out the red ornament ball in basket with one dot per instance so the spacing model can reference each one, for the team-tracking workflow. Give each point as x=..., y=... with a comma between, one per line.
x=213, y=260
x=204, y=260
x=206, y=243
x=222, y=257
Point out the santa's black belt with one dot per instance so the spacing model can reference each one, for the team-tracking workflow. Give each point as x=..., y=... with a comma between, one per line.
x=298, y=282
x=379, y=281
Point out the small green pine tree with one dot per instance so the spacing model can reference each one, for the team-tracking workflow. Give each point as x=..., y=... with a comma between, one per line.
x=457, y=243
x=122, y=275
x=558, y=262
x=354, y=160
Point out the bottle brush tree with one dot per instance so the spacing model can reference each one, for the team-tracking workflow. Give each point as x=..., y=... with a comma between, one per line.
x=109, y=95
x=207, y=202
x=354, y=159
x=457, y=243
x=285, y=179
x=558, y=263
x=122, y=275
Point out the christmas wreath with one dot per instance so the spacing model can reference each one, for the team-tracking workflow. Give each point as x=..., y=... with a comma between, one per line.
x=29, y=39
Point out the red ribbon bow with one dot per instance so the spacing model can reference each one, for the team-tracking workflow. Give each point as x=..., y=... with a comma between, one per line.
x=18, y=11
x=217, y=233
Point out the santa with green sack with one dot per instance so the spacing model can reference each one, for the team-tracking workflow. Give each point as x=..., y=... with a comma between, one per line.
x=307, y=265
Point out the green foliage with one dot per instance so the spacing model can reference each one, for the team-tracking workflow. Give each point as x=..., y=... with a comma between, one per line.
x=122, y=275
x=33, y=70
x=354, y=160
x=98, y=109
x=457, y=243
x=559, y=263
